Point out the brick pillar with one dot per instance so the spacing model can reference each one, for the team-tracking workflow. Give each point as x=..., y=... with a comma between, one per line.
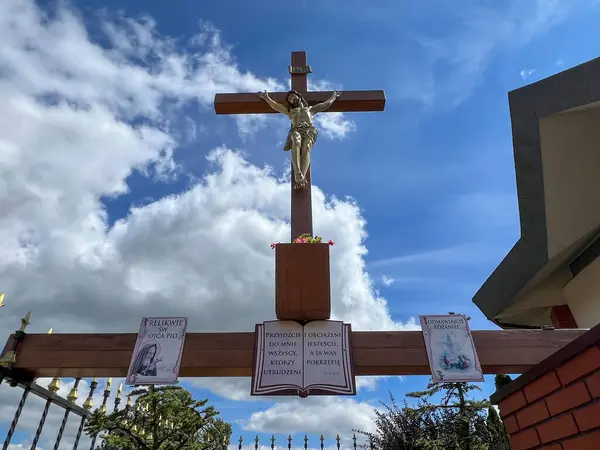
x=556, y=405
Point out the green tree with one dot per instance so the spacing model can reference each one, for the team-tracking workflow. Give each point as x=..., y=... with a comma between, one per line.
x=400, y=428
x=161, y=418
x=444, y=418
x=498, y=435
x=501, y=380
x=460, y=417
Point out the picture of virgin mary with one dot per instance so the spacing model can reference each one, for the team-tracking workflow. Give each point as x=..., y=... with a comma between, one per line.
x=146, y=360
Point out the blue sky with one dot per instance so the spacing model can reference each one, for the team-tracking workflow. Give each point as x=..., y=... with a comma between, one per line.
x=432, y=175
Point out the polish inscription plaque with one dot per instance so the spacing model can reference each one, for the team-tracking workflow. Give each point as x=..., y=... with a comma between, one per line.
x=295, y=359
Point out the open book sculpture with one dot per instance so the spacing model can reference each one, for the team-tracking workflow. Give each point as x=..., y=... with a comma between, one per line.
x=295, y=359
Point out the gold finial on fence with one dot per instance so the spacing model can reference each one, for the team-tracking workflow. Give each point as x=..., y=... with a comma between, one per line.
x=54, y=385
x=2, y=299
x=129, y=401
x=118, y=397
x=10, y=358
x=74, y=393
x=106, y=394
x=50, y=331
x=25, y=321
x=89, y=403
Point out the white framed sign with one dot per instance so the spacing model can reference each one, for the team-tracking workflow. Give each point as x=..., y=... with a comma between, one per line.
x=157, y=353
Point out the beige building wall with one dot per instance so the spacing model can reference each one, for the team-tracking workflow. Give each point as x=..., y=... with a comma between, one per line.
x=583, y=295
x=546, y=294
x=571, y=170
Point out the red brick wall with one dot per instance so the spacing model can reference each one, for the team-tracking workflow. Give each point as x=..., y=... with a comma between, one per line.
x=559, y=409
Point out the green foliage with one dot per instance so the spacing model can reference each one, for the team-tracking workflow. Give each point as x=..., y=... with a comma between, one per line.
x=161, y=418
x=501, y=380
x=498, y=436
x=455, y=422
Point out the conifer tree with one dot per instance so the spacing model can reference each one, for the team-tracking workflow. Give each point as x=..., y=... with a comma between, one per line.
x=160, y=418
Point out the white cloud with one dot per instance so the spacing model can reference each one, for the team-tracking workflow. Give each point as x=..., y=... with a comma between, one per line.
x=386, y=280
x=82, y=119
x=526, y=73
x=456, y=61
x=334, y=125
x=238, y=388
x=313, y=415
x=468, y=253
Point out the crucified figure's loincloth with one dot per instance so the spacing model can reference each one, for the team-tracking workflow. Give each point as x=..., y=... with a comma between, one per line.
x=306, y=131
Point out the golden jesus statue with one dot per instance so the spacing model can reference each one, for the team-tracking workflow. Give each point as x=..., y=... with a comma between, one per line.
x=303, y=133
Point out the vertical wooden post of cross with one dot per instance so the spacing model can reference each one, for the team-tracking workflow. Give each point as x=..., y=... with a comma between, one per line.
x=301, y=198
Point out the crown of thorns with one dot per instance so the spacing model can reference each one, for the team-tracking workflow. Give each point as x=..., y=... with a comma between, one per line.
x=297, y=94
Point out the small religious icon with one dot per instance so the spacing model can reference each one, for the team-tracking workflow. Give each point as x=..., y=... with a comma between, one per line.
x=157, y=354
x=303, y=134
x=147, y=359
x=451, y=359
x=450, y=349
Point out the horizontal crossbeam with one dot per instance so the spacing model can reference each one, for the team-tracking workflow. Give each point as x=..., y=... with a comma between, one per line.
x=231, y=354
x=348, y=101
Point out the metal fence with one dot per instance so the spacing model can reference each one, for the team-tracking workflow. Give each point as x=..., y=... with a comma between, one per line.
x=304, y=444
x=49, y=394
x=24, y=380
x=15, y=379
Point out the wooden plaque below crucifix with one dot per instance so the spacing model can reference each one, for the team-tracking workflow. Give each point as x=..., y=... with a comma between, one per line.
x=310, y=359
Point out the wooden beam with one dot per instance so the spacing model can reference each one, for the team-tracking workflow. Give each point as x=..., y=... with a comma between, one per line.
x=231, y=354
x=349, y=101
x=561, y=317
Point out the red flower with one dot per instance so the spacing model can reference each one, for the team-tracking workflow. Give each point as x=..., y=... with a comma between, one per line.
x=330, y=242
x=273, y=245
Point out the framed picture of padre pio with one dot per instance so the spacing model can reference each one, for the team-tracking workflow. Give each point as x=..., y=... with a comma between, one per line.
x=157, y=353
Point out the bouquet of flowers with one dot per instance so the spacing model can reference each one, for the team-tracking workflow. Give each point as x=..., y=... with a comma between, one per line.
x=306, y=239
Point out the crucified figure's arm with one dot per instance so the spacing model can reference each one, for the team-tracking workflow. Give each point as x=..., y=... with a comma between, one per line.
x=272, y=103
x=326, y=104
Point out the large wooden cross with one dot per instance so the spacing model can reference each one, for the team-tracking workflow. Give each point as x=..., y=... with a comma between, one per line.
x=348, y=101
x=231, y=354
